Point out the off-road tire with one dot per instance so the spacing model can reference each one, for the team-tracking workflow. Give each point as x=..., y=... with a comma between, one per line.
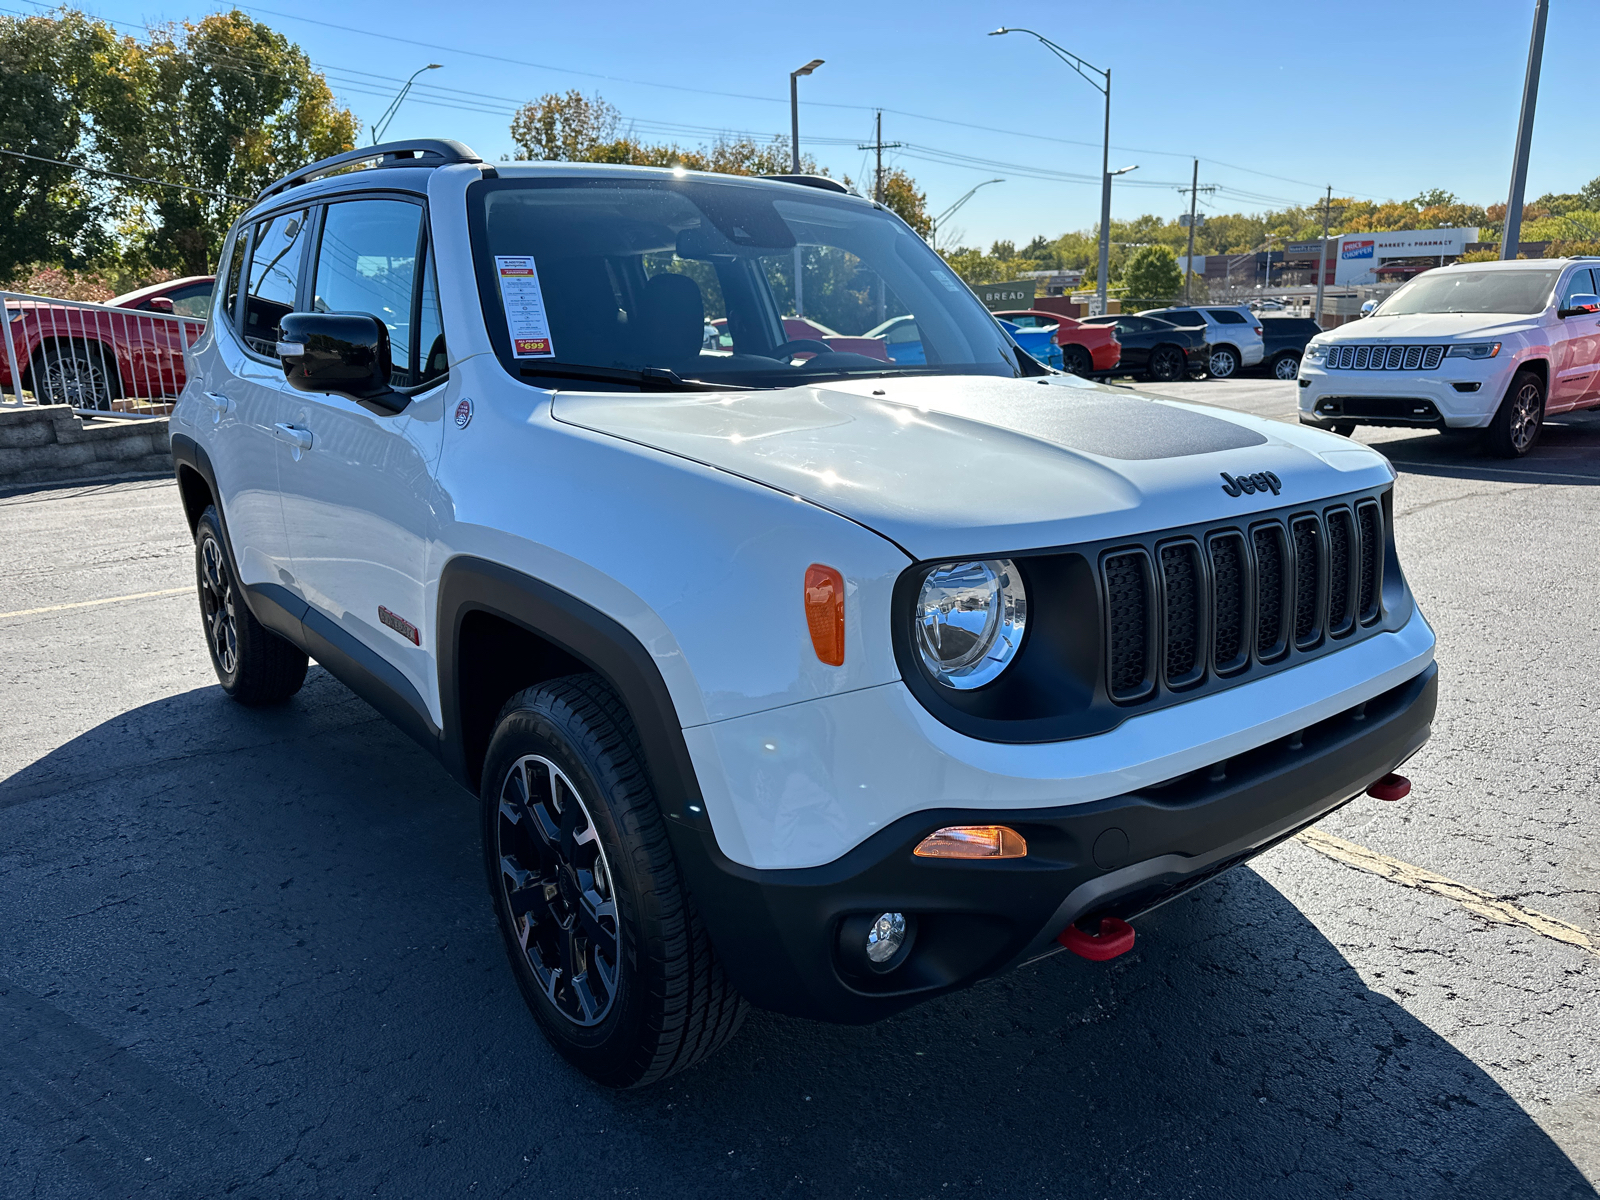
x=254, y=665
x=1167, y=364
x=670, y=1005
x=1222, y=362
x=1519, y=420
x=1075, y=360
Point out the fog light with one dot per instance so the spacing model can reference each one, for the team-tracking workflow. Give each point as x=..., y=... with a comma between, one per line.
x=885, y=936
x=973, y=841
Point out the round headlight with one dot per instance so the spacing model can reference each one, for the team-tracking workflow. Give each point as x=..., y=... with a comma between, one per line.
x=970, y=617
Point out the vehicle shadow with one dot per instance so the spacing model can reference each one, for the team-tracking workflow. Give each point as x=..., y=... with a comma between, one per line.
x=251, y=952
x=1568, y=453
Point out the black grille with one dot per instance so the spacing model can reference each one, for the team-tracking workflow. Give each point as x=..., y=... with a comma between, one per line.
x=1180, y=575
x=1271, y=589
x=1339, y=539
x=1128, y=615
x=1307, y=580
x=1219, y=601
x=1371, y=556
x=1230, y=644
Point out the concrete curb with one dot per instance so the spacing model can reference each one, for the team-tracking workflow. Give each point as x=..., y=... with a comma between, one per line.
x=51, y=444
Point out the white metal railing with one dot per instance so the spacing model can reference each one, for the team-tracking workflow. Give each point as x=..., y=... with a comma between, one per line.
x=98, y=358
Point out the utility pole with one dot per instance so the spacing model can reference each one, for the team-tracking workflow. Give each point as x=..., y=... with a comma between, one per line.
x=1322, y=255
x=1194, y=189
x=1512, y=236
x=878, y=146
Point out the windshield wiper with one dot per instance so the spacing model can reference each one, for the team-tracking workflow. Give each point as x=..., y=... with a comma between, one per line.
x=663, y=379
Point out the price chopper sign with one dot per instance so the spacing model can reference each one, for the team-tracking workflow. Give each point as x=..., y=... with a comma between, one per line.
x=998, y=297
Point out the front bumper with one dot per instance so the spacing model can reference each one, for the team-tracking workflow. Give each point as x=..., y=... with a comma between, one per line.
x=1461, y=395
x=777, y=932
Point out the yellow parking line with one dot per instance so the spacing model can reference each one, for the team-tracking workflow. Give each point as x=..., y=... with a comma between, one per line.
x=49, y=608
x=1483, y=904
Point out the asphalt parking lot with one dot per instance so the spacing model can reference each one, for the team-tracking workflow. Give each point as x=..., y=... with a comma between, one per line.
x=250, y=953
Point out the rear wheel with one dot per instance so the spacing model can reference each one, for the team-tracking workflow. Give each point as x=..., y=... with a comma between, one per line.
x=1224, y=362
x=81, y=374
x=606, y=946
x=254, y=665
x=1520, y=418
x=1075, y=360
x=1286, y=366
x=1167, y=364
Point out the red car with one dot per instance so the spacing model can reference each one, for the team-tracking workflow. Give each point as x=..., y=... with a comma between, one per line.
x=92, y=357
x=1085, y=349
x=804, y=329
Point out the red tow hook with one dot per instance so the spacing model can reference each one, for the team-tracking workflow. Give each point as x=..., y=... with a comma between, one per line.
x=1115, y=937
x=1390, y=787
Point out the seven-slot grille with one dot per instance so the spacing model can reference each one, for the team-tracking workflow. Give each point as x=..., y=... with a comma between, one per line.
x=1219, y=602
x=1384, y=358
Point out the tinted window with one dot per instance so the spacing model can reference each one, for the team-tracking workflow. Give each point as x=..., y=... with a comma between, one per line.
x=1452, y=291
x=1226, y=316
x=367, y=263
x=273, y=279
x=1134, y=324
x=1581, y=284
x=235, y=273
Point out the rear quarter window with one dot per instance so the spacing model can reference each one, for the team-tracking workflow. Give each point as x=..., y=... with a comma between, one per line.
x=1226, y=316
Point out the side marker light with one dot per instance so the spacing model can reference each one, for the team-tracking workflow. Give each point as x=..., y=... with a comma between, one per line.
x=973, y=841
x=824, y=600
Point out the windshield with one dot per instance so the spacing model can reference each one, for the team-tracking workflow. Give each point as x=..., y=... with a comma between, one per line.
x=730, y=283
x=1472, y=292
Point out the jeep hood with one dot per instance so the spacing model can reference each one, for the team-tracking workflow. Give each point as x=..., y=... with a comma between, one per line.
x=1379, y=328
x=957, y=465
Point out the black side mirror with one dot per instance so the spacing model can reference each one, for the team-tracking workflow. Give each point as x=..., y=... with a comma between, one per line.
x=343, y=353
x=1579, y=305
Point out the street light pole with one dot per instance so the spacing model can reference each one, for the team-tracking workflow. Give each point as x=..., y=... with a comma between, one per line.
x=1103, y=85
x=382, y=123
x=1512, y=235
x=933, y=230
x=794, y=163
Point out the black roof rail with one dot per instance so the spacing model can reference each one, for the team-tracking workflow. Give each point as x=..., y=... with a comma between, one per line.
x=423, y=152
x=816, y=181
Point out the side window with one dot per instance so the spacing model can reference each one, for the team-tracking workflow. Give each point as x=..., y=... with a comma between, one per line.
x=191, y=301
x=1226, y=316
x=273, y=279
x=230, y=291
x=367, y=263
x=1580, y=284
x=431, y=359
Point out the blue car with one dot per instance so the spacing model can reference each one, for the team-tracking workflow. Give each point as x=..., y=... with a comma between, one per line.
x=1039, y=342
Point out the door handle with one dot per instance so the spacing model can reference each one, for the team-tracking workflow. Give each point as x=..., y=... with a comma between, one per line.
x=220, y=404
x=300, y=439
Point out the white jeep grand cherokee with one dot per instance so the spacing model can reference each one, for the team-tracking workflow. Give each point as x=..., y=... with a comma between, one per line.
x=1485, y=346
x=785, y=673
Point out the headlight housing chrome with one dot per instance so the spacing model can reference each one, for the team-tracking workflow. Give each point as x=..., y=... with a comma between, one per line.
x=1315, y=352
x=970, y=618
x=1473, y=350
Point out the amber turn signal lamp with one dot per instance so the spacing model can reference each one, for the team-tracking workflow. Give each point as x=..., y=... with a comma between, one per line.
x=973, y=841
x=824, y=595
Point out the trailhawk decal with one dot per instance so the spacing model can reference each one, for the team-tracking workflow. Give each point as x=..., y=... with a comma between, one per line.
x=1266, y=481
x=527, y=322
x=400, y=625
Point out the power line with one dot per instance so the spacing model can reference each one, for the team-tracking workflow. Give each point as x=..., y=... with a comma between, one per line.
x=130, y=178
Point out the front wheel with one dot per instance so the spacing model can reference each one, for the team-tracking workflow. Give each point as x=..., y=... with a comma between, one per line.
x=607, y=948
x=254, y=665
x=1520, y=418
x=1075, y=360
x=1286, y=366
x=1167, y=364
x=1224, y=361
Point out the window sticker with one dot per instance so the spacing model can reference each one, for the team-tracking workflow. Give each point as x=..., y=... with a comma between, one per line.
x=944, y=278
x=526, y=320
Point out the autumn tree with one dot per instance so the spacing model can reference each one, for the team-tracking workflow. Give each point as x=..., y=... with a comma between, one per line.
x=563, y=128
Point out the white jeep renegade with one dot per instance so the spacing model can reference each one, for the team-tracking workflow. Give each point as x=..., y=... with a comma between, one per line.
x=788, y=670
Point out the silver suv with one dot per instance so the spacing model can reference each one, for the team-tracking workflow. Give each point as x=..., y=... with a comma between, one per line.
x=1233, y=333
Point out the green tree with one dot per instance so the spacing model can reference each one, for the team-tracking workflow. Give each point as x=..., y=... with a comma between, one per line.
x=905, y=199
x=561, y=128
x=1152, y=274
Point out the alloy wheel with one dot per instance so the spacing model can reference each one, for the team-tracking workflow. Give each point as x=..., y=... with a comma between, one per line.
x=1166, y=365
x=78, y=380
x=1287, y=367
x=216, y=606
x=1526, y=413
x=557, y=887
x=1222, y=364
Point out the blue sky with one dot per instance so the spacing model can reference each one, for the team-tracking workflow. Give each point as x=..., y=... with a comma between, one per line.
x=1277, y=100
